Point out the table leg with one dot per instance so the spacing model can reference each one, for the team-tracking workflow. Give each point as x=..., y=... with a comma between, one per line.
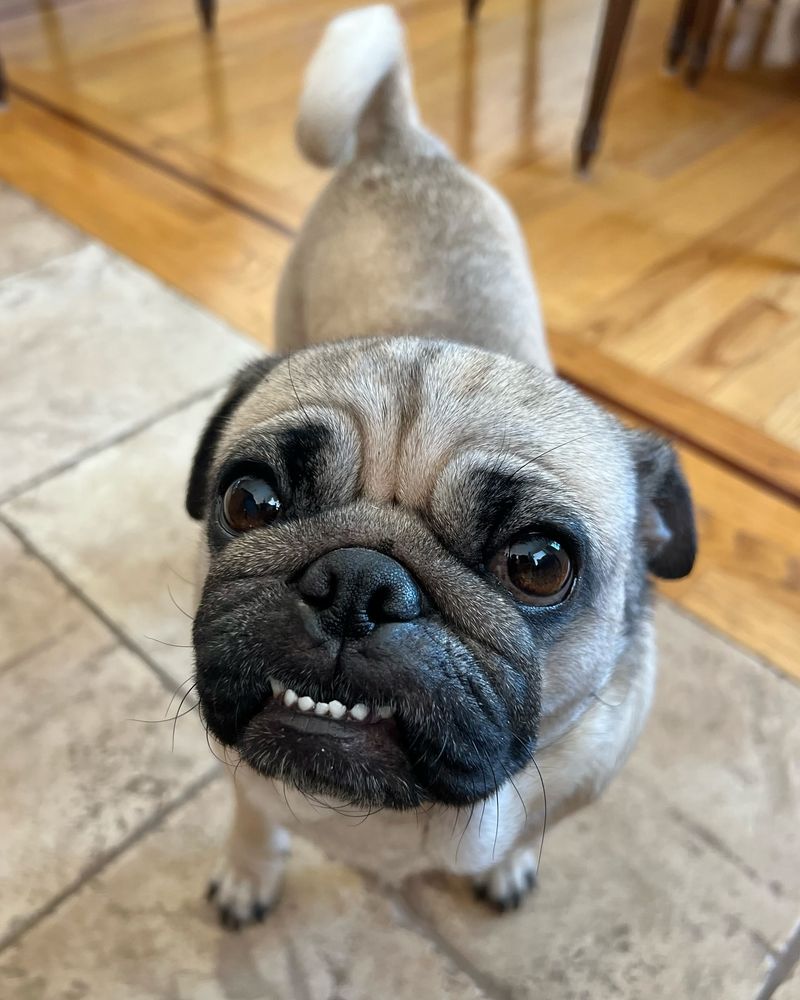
x=208, y=13
x=707, y=12
x=615, y=24
x=684, y=21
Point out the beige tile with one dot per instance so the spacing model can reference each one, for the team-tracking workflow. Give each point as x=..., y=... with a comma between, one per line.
x=36, y=609
x=92, y=346
x=678, y=880
x=723, y=749
x=31, y=235
x=116, y=525
x=141, y=930
x=631, y=904
x=77, y=774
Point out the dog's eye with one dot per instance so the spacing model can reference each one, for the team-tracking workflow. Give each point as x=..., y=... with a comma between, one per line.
x=249, y=502
x=537, y=570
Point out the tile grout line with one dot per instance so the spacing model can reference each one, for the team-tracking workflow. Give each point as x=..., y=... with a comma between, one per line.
x=420, y=924
x=709, y=839
x=87, y=242
x=168, y=411
x=125, y=640
x=783, y=965
x=97, y=867
x=36, y=649
x=778, y=672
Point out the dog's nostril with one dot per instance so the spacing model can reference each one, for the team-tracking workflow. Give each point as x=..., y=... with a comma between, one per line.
x=356, y=590
x=393, y=603
x=318, y=586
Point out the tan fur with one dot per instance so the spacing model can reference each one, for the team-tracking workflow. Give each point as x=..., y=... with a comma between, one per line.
x=407, y=244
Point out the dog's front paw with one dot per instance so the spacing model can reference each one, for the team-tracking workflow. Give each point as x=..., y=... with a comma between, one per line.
x=506, y=885
x=243, y=897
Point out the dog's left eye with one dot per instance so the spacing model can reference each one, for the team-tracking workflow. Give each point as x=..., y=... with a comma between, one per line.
x=249, y=502
x=537, y=570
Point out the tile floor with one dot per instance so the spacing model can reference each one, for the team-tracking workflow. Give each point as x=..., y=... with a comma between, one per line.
x=684, y=882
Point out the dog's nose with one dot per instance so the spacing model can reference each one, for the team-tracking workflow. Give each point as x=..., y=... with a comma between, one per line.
x=356, y=590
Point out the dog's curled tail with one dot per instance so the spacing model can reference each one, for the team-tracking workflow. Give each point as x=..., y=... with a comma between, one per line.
x=357, y=92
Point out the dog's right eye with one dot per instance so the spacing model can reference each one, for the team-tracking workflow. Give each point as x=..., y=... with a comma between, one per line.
x=249, y=502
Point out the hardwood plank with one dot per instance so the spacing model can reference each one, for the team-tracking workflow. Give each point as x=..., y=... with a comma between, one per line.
x=215, y=255
x=768, y=462
x=747, y=578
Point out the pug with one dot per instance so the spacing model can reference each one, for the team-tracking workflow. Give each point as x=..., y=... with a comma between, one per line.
x=424, y=632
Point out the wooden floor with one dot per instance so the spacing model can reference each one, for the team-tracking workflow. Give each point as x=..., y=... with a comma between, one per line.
x=670, y=279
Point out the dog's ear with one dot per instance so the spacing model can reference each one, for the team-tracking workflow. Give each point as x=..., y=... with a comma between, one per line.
x=243, y=384
x=666, y=515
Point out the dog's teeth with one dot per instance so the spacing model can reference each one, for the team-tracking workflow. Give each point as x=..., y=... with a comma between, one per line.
x=277, y=687
x=321, y=708
x=359, y=712
x=336, y=709
x=386, y=711
x=290, y=698
x=305, y=704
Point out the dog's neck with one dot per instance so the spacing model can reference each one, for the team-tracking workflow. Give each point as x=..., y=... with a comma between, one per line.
x=622, y=679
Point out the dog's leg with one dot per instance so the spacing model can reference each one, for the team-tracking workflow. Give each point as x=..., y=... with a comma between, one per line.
x=506, y=884
x=248, y=879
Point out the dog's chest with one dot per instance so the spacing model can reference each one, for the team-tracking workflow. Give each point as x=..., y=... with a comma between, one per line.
x=392, y=846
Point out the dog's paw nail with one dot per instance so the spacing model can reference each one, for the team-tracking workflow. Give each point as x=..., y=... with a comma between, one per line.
x=229, y=920
x=506, y=886
x=245, y=897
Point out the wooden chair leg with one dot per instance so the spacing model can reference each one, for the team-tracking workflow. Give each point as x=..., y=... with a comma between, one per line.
x=208, y=13
x=684, y=21
x=3, y=84
x=615, y=25
x=707, y=13
x=472, y=8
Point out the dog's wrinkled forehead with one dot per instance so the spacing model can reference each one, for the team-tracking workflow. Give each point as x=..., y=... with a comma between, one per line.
x=415, y=419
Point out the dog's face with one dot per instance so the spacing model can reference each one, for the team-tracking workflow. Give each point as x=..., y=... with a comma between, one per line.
x=422, y=557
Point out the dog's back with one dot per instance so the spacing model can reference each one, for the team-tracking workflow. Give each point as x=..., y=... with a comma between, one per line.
x=404, y=240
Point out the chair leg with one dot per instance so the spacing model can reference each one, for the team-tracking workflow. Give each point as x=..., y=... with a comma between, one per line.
x=707, y=13
x=208, y=13
x=472, y=8
x=615, y=24
x=3, y=85
x=684, y=21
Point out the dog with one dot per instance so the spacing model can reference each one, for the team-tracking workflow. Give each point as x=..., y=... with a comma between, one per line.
x=424, y=627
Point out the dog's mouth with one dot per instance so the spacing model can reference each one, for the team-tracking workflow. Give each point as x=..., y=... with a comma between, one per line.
x=352, y=753
x=334, y=711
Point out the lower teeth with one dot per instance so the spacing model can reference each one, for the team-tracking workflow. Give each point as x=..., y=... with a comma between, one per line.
x=333, y=709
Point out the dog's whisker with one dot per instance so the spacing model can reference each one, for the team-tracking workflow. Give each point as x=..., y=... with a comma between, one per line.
x=464, y=831
x=183, y=611
x=179, y=575
x=192, y=684
x=514, y=786
x=178, y=714
x=165, y=642
x=160, y=722
x=608, y=704
x=544, y=820
x=211, y=748
x=294, y=390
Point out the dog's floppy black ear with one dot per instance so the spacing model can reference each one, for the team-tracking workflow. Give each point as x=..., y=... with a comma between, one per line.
x=243, y=384
x=666, y=514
